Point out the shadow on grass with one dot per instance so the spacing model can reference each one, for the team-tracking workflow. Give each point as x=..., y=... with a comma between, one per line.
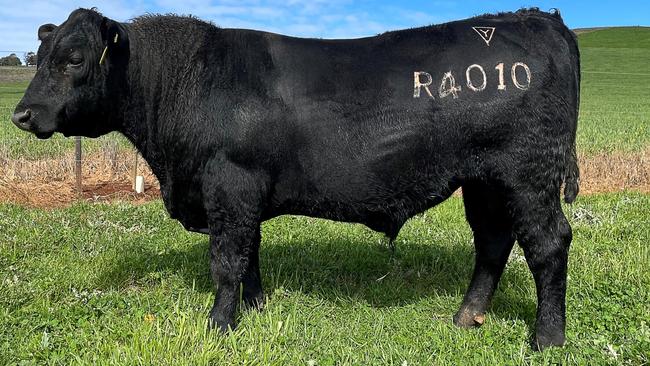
x=335, y=271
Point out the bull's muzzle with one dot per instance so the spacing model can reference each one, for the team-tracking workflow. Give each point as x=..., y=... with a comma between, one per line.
x=21, y=119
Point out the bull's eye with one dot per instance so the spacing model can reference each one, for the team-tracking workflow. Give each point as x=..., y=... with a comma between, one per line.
x=75, y=61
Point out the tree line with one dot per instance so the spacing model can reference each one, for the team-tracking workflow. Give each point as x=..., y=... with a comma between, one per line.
x=13, y=60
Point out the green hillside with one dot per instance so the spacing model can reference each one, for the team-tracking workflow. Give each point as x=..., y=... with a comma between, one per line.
x=615, y=99
x=620, y=37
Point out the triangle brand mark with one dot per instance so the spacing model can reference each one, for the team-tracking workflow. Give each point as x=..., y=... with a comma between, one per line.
x=486, y=33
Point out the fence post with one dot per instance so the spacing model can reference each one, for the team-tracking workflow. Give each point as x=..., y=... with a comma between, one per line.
x=135, y=167
x=77, y=160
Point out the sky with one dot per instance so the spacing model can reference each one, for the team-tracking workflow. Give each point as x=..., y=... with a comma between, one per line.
x=19, y=21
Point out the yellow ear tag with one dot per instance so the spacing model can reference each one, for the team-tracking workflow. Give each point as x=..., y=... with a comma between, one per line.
x=103, y=58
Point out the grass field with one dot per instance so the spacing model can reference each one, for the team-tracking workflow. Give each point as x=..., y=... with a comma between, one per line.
x=122, y=284
x=614, y=109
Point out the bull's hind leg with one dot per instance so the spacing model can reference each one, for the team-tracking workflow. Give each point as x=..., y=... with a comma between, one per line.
x=252, y=293
x=493, y=240
x=544, y=234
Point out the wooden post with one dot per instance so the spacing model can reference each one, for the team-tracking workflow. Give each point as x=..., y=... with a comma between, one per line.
x=77, y=165
x=135, y=168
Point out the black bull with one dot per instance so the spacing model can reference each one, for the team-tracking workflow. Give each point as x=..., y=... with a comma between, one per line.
x=241, y=126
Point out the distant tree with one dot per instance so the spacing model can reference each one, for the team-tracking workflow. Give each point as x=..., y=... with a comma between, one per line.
x=30, y=59
x=11, y=60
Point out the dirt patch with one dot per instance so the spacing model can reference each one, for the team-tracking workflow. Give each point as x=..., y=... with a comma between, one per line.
x=50, y=183
x=613, y=172
x=64, y=193
x=107, y=178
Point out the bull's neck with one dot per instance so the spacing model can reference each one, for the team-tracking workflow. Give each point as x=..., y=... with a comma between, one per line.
x=147, y=103
x=165, y=73
x=137, y=122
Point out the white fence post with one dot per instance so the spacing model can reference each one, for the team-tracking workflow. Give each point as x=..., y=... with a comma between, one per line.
x=77, y=160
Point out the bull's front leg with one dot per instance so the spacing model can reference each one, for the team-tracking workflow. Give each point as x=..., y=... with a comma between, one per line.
x=229, y=260
x=252, y=293
x=234, y=203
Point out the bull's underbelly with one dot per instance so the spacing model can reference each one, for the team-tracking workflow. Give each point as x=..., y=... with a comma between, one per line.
x=386, y=212
x=385, y=216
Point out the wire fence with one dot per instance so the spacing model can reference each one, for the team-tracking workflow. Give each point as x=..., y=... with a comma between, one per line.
x=59, y=173
x=106, y=158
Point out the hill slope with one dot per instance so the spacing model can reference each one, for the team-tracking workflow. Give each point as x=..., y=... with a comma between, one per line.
x=614, y=109
x=616, y=37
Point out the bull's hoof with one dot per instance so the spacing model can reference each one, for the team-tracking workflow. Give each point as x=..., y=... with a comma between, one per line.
x=468, y=319
x=215, y=322
x=256, y=302
x=543, y=341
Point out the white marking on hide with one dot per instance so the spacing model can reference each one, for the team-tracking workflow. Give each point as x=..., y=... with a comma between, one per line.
x=417, y=85
x=486, y=33
x=514, y=75
x=469, y=79
x=502, y=82
x=453, y=89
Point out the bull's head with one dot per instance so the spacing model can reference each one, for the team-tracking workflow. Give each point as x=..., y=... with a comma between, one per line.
x=72, y=91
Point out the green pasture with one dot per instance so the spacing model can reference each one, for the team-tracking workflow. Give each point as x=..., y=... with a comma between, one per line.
x=124, y=285
x=615, y=96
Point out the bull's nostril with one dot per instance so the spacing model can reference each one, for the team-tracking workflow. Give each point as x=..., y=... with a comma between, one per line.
x=26, y=116
x=21, y=117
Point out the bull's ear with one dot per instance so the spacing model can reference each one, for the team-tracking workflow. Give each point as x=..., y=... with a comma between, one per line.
x=113, y=33
x=115, y=38
x=45, y=30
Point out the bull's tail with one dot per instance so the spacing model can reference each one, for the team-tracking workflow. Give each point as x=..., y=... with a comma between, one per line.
x=571, y=177
x=571, y=171
x=571, y=174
